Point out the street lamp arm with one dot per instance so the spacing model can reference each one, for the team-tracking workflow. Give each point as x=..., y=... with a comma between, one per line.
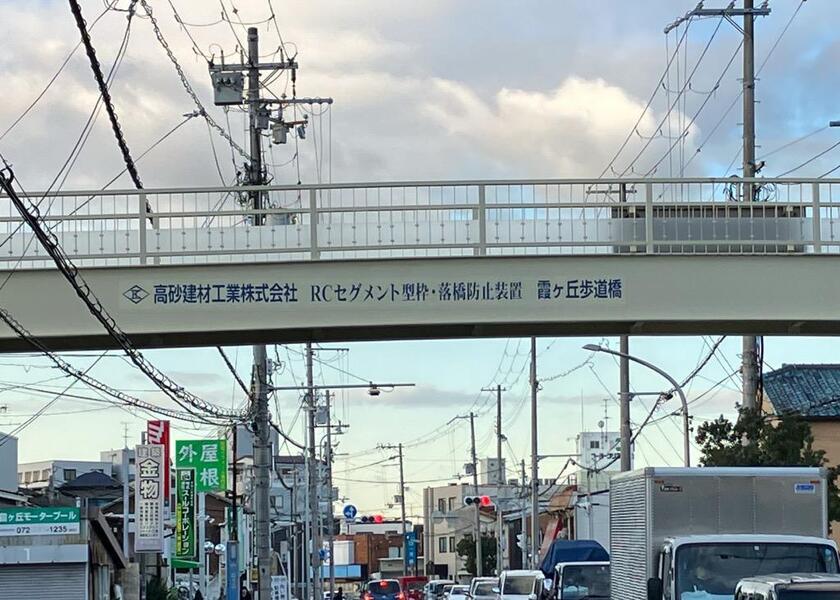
x=675, y=385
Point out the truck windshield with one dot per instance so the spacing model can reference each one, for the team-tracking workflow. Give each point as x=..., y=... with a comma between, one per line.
x=585, y=581
x=809, y=595
x=713, y=570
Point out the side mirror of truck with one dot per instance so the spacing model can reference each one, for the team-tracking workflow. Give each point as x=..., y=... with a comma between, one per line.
x=654, y=588
x=496, y=590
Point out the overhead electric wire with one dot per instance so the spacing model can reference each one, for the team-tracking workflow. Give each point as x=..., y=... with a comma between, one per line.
x=103, y=88
x=812, y=159
x=85, y=293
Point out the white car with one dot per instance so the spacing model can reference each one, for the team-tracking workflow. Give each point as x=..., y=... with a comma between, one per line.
x=521, y=585
x=459, y=592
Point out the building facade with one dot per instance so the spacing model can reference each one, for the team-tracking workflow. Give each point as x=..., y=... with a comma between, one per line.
x=53, y=474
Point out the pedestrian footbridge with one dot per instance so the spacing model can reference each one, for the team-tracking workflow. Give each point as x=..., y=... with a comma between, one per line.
x=431, y=259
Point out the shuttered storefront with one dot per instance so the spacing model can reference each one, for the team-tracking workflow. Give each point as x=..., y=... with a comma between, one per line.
x=58, y=581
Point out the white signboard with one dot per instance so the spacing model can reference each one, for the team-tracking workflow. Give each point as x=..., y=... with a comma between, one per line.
x=148, y=498
x=279, y=587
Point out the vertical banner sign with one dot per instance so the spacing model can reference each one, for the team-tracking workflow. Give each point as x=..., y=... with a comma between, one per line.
x=279, y=587
x=411, y=548
x=208, y=458
x=185, y=522
x=157, y=432
x=148, y=499
x=232, y=571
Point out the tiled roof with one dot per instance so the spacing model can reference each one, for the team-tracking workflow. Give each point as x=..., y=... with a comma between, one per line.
x=809, y=390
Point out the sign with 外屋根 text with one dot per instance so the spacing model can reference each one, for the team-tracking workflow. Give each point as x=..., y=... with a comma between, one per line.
x=208, y=458
x=22, y=521
x=148, y=498
x=185, y=517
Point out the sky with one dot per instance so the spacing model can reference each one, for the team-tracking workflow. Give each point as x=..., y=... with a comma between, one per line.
x=441, y=89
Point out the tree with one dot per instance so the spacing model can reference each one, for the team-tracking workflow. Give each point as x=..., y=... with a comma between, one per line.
x=466, y=549
x=756, y=441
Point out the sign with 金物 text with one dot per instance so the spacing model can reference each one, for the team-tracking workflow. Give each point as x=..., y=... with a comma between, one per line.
x=148, y=498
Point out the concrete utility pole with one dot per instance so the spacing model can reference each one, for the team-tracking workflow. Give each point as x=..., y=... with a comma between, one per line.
x=262, y=443
x=399, y=449
x=749, y=363
x=523, y=523
x=535, y=459
x=315, y=562
x=624, y=402
x=329, y=460
x=479, y=559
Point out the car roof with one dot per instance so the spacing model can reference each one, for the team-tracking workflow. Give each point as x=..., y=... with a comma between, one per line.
x=793, y=580
x=523, y=573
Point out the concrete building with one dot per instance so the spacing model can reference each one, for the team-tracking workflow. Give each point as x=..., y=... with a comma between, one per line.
x=53, y=474
x=115, y=457
x=8, y=463
x=490, y=473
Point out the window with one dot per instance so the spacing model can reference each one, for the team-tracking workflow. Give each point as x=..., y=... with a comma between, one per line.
x=442, y=545
x=27, y=477
x=45, y=475
x=451, y=504
x=452, y=544
x=441, y=504
x=594, y=444
x=69, y=475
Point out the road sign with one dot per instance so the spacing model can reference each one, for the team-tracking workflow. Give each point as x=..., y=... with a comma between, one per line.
x=350, y=512
x=208, y=458
x=185, y=521
x=148, y=498
x=16, y=522
x=411, y=547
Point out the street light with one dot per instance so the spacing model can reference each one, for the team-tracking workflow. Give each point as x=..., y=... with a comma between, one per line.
x=677, y=387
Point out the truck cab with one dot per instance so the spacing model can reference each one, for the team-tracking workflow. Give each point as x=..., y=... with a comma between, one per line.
x=705, y=567
x=578, y=580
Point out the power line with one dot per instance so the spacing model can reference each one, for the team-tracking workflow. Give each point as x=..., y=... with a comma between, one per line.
x=103, y=88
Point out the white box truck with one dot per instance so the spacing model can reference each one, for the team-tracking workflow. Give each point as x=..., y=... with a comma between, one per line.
x=694, y=533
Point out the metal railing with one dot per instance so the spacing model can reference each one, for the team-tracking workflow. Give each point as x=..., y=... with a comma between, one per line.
x=432, y=218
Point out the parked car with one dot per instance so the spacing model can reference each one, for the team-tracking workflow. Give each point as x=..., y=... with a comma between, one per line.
x=800, y=586
x=481, y=588
x=522, y=585
x=458, y=592
x=413, y=587
x=383, y=589
x=434, y=589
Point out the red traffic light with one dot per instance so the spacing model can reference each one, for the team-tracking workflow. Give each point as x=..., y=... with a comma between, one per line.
x=485, y=501
x=378, y=518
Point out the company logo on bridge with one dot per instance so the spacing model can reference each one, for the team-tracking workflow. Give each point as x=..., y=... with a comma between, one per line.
x=136, y=294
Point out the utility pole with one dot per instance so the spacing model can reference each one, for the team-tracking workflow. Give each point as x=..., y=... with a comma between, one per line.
x=315, y=563
x=399, y=449
x=499, y=437
x=329, y=460
x=479, y=559
x=535, y=498
x=523, y=525
x=749, y=363
x=624, y=403
x=262, y=443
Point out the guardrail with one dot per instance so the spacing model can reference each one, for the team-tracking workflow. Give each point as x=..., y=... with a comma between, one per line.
x=431, y=218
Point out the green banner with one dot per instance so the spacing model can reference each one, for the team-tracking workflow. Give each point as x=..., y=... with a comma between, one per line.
x=39, y=521
x=208, y=458
x=185, y=521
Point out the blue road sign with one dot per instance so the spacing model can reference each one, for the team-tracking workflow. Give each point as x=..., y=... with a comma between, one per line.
x=411, y=547
x=232, y=583
x=350, y=512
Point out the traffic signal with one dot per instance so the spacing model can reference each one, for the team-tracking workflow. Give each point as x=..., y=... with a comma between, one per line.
x=372, y=519
x=478, y=500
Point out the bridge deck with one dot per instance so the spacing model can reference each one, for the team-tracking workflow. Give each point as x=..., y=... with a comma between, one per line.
x=433, y=259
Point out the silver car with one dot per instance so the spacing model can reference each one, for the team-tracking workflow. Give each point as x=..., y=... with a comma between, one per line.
x=481, y=588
